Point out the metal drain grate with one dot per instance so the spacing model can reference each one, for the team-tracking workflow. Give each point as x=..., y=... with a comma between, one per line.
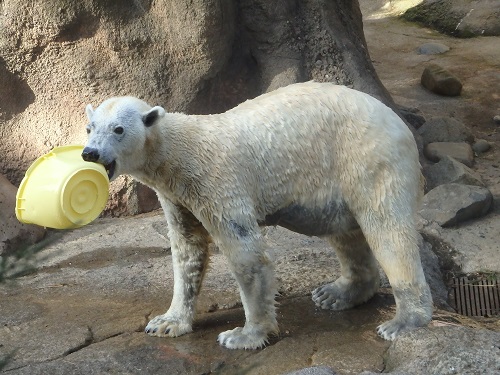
x=476, y=297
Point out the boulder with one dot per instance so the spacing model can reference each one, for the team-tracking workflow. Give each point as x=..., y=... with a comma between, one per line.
x=437, y=79
x=451, y=204
x=461, y=18
x=445, y=129
x=445, y=349
x=13, y=234
x=130, y=197
x=468, y=248
x=447, y=171
x=459, y=151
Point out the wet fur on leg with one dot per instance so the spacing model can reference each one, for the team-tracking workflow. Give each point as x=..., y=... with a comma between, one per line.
x=254, y=272
x=359, y=279
x=189, y=241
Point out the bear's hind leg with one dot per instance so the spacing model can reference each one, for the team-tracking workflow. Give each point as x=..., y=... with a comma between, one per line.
x=359, y=278
x=189, y=243
x=396, y=249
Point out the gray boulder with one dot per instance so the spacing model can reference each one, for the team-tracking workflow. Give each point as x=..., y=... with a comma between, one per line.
x=459, y=151
x=437, y=79
x=461, y=18
x=445, y=129
x=450, y=204
x=447, y=171
x=445, y=350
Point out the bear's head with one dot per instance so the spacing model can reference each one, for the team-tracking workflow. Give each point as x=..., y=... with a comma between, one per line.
x=117, y=132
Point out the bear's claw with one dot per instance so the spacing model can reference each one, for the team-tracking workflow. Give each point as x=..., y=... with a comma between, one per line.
x=164, y=325
x=342, y=295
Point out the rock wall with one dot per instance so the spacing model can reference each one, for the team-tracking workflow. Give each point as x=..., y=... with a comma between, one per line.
x=201, y=56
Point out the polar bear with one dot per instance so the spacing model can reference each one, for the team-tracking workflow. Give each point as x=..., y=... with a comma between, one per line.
x=316, y=158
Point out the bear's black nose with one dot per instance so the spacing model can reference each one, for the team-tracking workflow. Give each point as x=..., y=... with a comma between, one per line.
x=90, y=154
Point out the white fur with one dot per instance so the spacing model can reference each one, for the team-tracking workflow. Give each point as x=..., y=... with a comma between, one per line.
x=308, y=145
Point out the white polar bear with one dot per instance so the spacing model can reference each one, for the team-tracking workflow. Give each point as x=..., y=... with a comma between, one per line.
x=316, y=158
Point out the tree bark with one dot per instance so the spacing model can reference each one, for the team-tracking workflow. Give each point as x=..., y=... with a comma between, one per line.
x=282, y=42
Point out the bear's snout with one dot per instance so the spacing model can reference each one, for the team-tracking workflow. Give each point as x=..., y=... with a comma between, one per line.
x=90, y=154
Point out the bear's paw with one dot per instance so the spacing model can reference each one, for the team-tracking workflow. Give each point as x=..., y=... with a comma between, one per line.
x=344, y=294
x=402, y=323
x=243, y=338
x=163, y=326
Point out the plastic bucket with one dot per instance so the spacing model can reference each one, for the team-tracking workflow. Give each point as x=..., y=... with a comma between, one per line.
x=60, y=190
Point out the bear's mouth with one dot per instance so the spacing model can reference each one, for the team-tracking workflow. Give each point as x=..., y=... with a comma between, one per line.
x=110, y=168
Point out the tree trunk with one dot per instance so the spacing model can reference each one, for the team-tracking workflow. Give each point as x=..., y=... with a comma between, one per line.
x=277, y=43
x=194, y=56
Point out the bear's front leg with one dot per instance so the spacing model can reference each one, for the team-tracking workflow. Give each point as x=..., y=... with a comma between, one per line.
x=189, y=243
x=254, y=273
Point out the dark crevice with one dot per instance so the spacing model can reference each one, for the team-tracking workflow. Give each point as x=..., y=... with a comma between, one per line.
x=89, y=339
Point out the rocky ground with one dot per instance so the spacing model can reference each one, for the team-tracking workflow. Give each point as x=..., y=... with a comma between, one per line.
x=84, y=309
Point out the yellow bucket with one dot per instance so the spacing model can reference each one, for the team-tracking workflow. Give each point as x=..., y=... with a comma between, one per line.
x=60, y=190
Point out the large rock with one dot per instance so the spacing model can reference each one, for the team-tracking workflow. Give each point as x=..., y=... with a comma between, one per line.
x=437, y=79
x=459, y=151
x=445, y=350
x=84, y=310
x=451, y=204
x=449, y=170
x=462, y=18
x=468, y=248
x=445, y=129
x=130, y=197
x=13, y=234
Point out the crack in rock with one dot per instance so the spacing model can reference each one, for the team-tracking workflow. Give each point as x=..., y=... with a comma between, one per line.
x=89, y=339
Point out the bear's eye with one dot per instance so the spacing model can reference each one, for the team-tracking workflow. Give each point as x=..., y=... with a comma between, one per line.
x=88, y=129
x=118, y=130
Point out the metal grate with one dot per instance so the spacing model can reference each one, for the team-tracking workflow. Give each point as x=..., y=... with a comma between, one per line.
x=476, y=297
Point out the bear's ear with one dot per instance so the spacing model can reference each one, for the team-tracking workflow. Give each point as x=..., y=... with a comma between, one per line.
x=89, y=111
x=150, y=117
